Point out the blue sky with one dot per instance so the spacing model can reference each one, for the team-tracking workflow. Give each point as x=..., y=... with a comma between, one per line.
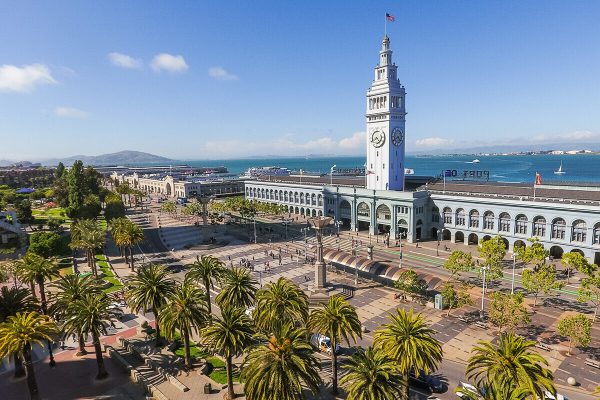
x=201, y=80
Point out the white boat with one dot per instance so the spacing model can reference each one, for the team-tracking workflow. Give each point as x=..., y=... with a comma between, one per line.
x=559, y=171
x=475, y=161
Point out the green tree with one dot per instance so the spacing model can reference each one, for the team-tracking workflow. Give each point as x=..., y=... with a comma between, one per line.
x=90, y=208
x=513, y=364
x=410, y=342
x=206, y=270
x=113, y=208
x=372, y=375
x=228, y=336
x=184, y=312
x=493, y=392
x=589, y=290
x=574, y=260
x=23, y=211
x=132, y=235
x=458, y=262
x=193, y=208
x=281, y=365
x=67, y=290
x=492, y=251
x=149, y=290
x=19, y=334
x=535, y=254
x=60, y=170
x=507, y=311
x=279, y=303
x=541, y=281
x=90, y=314
x=455, y=297
x=410, y=283
x=238, y=289
x=577, y=328
x=37, y=269
x=169, y=207
x=87, y=235
x=12, y=301
x=54, y=224
x=46, y=244
x=338, y=320
x=76, y=189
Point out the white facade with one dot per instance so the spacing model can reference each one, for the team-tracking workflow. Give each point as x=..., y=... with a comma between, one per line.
x=385, y=125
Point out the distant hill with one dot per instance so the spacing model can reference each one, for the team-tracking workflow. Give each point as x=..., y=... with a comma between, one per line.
x=126, y=157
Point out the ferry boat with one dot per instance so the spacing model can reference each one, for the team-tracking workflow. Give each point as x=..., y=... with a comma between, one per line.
x=266, y=171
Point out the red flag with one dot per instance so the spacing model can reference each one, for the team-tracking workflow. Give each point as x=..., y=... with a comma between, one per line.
x=538, y=178
x=369, y=172
x=390, y=17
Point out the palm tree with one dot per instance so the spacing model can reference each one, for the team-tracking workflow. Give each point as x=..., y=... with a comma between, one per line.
x=512, y=364
x=90, y=314
x=69, y=289
x=133, y=236
x=279, y=303
x=239, y=289
x=409, y=341
x=37, y=269
x=87, y=235
x=148, y=290
x=12, y=301
x=228, y=336
x=117, y=228
x=185, y=311
x=19, y=334
x=338, y=320
x=281, y=365
x=492, y=392
x=371, y=375
x=207, y=270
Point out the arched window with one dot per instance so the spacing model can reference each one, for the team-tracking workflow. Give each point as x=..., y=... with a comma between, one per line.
x=488, y=220
x=539, y=226
x=363, y=210
x=301, y=198
x=579, y=231
x=447, y=215
x=559, y=227
x=286, y=196
x=597, y=233
x=474, y=219
x=383, y=212
x=320, y=200
x=313, y=199
x=521, y=224
x=460, y=217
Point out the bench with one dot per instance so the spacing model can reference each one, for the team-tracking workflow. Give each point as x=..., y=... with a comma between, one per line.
x=481, y=325
x=592, y=363
x=543, y=346
x=463, y=319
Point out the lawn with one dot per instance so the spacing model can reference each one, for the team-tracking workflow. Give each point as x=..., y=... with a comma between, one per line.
x=42, y=214
x=217, y=370
x=109, y=276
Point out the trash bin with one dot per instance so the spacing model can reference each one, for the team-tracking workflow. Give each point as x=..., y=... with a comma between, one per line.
x=207, y=388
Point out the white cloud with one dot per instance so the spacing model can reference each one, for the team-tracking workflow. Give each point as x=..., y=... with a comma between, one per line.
x=70, y=112
x=24, y=79
x=221, y=74
x=433, y=142
x=356, y=141
x=574, y=136
x=124, y=61
x=169, y=62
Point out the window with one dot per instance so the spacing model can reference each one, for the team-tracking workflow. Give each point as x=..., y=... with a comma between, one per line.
x=488, y=220
x=447, y=215
x=596, y=238
x=460, y=217
x=579, y=233
x=559, y=226
x=504, y=222
x=521, y=225
x=539, y=227
x=474, y=219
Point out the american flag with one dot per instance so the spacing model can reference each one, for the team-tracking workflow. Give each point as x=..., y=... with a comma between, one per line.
x=390, y=17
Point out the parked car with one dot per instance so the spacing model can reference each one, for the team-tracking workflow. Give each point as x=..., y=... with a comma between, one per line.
x=468, y=388
x=323, y=343
x=431, y=382
x=549, y=396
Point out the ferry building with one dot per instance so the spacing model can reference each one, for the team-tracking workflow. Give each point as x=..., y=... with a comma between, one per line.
x=564, y=217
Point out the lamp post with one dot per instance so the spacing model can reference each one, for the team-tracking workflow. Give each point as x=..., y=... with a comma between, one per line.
x=254, y=221
x=401, y=255
x=286, y=223
x=483, y=285
x=318, y=224
x=512, y=285
x=437, y=250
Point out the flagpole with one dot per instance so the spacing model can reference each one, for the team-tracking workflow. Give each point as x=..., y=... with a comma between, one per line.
x=385, y=25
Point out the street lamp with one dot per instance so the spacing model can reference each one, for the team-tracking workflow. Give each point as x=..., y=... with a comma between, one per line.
x=512, y=285
x=437, y=250
x=286, y=223
x=254, y=229
x=483, y=285
x=318, y=224
x=401, y=255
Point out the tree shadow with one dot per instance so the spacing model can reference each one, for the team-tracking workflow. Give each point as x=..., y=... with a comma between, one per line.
x=566, y=305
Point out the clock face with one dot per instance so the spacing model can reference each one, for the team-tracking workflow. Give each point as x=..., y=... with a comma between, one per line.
x=397, y=136
x=377, y=138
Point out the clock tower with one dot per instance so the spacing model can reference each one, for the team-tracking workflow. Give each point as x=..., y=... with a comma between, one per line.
x=385, y=125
